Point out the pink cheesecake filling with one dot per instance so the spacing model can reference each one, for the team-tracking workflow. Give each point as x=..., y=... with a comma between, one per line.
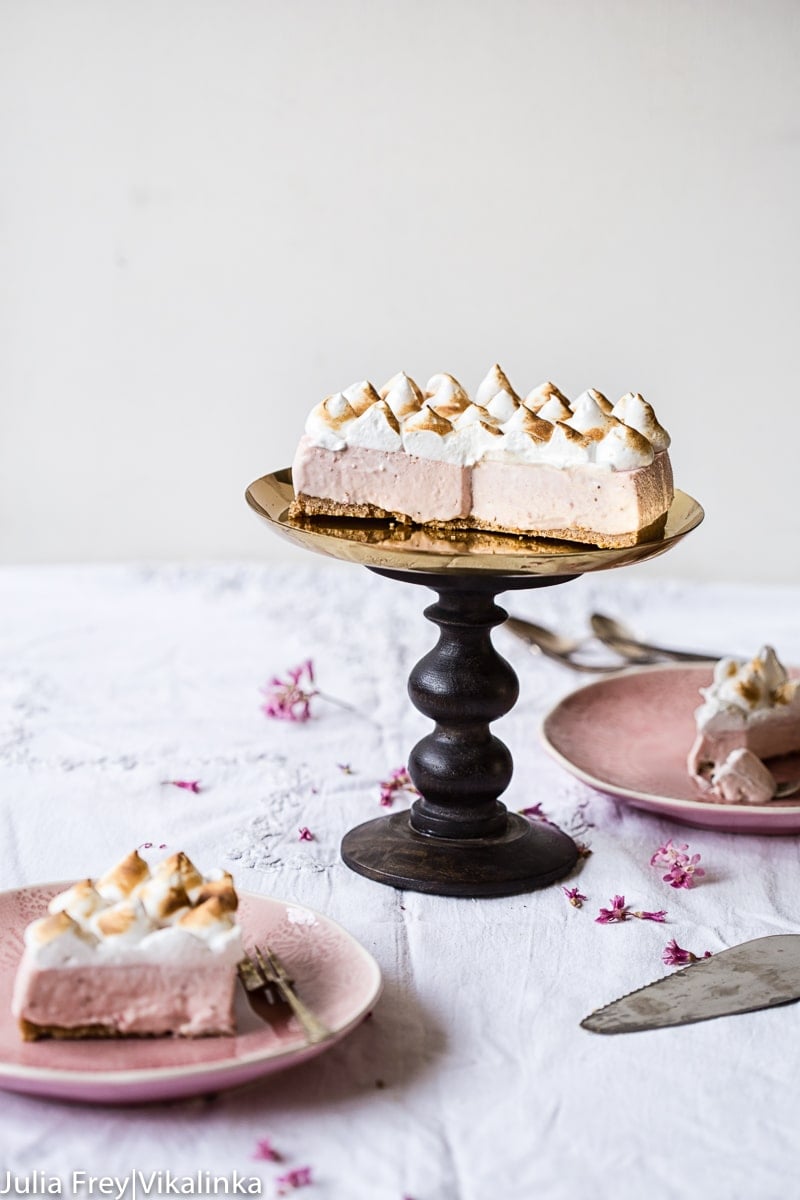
x=538, y=496
x=506, y=495
x=423, y=489
x=141, y=999
x=768, y=736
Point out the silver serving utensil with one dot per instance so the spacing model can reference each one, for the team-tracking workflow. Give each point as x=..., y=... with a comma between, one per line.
x=619, y=637
x=758, y=974
x=562, y=649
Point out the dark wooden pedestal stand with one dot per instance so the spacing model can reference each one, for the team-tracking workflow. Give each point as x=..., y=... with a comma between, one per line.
x=458, y=839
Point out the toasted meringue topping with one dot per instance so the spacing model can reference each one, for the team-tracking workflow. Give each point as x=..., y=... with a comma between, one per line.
x=327, y=423
x=588, y=417
x=127, y=919
x=554, y=409
x=543, y=394
x=222, y=890
x=634, y=410
x=163, y=896
x=443, y=391
x=124, y=877
x=376, y=429
x=746, y=688
x=623, y=448
x=602, y=402
x=402, y=395
x=49, y=928
x=502, y=406
x=80, y=901
x=338, y=410
x=163, y=915
x=181, y=870
x=567, y=447
x=527, y=422
x=494, y=382
x=427, y=420
x=472, y=415
x=360, y=396
x=212, y=914
x=619, y=438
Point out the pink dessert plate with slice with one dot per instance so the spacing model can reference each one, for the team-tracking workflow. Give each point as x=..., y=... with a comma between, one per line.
x=629, y=735
x=333, y=974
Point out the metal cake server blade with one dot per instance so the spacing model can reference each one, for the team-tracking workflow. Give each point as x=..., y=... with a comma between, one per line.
x=758, y=974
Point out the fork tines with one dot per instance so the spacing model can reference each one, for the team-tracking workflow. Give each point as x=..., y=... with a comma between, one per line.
x=266, y=966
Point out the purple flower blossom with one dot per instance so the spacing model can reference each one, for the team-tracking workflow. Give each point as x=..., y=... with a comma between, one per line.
x=299, y=1177
x=190, y=785
x=305, y=834
x=683, y=872
x=265, y=1151
x=651, y=916
x=667, y=854
x=345, y=768
x=290, y=699
x=618, y=911
x=399, y=781
x=682, y=867
x=675, y=956
x=575, y=897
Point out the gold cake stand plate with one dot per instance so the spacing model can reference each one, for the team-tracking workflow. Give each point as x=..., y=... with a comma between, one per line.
x=458, y=839
x=384, y=546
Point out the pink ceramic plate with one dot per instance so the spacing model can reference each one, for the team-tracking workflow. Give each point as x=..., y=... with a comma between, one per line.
x=629, y=735
x=335, y=976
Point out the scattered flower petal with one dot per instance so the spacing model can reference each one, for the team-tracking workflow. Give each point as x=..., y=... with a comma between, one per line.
x=266, y=1151
x=189, y=785
x=675, y=956
x=575, y=897
x=305, y=834
x=150, y=845
x=534, y=812
x=583, y=850
x=399, y=781
x=290, y=699
x=299, y=1177
x=618, y=911
x=345, y=768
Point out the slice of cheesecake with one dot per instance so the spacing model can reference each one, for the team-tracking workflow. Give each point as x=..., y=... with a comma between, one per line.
x=585, y=471
x=750, y=705
x=134, y=953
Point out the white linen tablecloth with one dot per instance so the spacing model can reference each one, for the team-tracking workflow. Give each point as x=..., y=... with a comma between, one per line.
x=114, y=679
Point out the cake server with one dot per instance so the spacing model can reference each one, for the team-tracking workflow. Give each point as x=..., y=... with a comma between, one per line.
x=758, y=974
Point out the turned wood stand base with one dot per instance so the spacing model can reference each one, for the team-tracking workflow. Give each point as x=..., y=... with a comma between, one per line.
x=458, y=839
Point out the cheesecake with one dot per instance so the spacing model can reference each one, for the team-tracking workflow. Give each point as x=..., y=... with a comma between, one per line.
x=135, y=952
x=582, y=470
x=750, y=712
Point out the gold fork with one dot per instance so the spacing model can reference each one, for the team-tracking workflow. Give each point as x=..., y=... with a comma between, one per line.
x=265, y=971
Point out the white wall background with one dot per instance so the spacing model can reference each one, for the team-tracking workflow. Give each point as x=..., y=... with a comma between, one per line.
x=213, y=213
